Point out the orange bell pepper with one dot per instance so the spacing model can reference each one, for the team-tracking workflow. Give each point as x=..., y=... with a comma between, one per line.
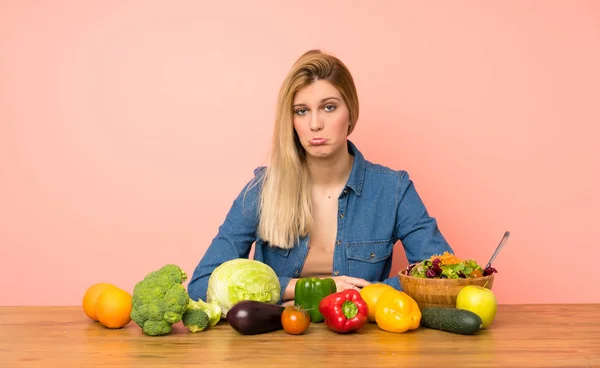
x=397, y=312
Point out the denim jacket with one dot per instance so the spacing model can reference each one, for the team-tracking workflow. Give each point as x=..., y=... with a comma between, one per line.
x=377, y=207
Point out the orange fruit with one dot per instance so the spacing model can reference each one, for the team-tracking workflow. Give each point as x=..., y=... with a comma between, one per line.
x=113, y=308
x=370, y=294
x=90, y=297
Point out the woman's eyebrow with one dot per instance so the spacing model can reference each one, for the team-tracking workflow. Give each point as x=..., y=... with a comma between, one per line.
x=323, y=100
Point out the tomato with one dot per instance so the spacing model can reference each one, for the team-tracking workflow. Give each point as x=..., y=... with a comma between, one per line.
x=295, y=320
x=476, y=273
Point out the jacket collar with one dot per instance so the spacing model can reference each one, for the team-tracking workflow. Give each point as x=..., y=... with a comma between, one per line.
x=357, y=176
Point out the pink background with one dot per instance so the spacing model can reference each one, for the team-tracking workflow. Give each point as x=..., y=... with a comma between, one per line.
x=127, y=128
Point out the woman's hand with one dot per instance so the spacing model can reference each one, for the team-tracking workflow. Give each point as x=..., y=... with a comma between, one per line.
x=288, y=303
x=346, y=282
x=341, y=283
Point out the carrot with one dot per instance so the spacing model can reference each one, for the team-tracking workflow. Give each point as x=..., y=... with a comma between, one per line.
x=446, y=258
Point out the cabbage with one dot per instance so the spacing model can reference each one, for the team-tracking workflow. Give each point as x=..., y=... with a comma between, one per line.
x=242, y=279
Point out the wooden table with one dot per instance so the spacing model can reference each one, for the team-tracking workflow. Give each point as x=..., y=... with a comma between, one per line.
x=521, y=336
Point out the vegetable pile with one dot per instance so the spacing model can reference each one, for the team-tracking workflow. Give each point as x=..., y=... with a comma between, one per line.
x=160, y=300
x=245, y=293
x=447, y=266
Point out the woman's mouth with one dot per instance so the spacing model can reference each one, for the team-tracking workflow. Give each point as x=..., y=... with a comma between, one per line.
x=317, y=141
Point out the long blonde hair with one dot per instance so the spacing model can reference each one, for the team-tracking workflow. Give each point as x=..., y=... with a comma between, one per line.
x=285, y=203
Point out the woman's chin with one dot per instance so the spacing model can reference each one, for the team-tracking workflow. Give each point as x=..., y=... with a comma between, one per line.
x=319, y=154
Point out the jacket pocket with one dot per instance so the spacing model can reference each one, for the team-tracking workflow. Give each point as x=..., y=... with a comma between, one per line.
x=276, y=258
x=366, y=259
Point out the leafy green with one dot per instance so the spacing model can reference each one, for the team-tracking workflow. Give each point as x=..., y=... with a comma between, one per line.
x=429, y=268
x=242, y=279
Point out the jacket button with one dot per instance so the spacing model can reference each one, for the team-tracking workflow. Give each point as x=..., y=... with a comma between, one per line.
x=372, y=255
x=338, y=242
x=336, y=273
x=345, y=191
x=341, y=215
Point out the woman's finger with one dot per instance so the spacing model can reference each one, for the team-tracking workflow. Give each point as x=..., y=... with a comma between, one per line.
x=352, y=286
x=357, y=282
x=288, y=303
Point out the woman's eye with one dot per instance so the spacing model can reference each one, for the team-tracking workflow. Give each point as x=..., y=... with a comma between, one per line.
x=329, y=108
x=301, y=111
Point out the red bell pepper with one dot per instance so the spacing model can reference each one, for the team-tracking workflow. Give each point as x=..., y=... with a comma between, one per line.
x=344, y=311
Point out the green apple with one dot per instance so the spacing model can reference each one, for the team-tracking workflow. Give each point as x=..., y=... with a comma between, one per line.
x=480, y=301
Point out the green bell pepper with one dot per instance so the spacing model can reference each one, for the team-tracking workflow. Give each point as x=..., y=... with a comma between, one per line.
x=309, y=292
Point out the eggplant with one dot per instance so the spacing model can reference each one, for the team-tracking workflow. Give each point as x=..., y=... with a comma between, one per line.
x=250, y=317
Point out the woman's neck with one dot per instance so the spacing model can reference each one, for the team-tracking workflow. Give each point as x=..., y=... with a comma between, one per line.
x=331, y=172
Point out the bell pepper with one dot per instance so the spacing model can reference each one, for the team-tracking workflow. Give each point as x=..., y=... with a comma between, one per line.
x=344, y=311
x=309, y=292
x=396, y=311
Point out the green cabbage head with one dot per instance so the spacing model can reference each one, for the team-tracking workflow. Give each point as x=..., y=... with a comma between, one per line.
x=242, y=279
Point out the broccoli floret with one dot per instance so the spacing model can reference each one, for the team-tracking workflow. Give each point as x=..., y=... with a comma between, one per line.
x=160, y=300
x=199, y=315
x=156, y=328
x=195, y=320
x=212, y=310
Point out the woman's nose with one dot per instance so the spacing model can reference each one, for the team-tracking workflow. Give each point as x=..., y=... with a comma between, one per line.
x=316, y=122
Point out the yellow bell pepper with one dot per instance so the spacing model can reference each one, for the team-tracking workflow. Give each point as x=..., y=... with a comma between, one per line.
x=397, y=312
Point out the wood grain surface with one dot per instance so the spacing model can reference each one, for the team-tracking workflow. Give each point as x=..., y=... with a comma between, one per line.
x=521, y=336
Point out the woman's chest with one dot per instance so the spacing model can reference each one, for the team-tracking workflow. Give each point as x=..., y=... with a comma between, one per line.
x=325, y=225
x=353, y=232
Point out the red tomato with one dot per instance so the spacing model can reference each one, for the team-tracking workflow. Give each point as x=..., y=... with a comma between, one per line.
x=295, y=320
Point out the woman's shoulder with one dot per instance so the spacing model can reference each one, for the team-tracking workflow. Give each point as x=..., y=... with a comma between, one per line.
x=374, y=175
x=259, y=172
x=383, y=172
x=384, y=180
x=252, y=187
x=255, y=182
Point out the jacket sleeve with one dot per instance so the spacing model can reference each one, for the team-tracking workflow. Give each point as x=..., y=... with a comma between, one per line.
x=415, y=228
x=234, y=238
x=394, y=282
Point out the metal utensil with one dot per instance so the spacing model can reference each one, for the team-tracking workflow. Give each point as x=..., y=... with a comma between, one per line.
x=498, y=248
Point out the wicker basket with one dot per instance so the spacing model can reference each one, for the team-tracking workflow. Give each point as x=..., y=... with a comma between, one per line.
x=439, y=292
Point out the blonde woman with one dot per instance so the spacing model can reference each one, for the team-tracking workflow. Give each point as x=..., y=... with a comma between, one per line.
x=319, y=209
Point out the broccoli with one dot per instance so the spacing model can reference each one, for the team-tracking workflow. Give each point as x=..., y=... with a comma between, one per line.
x=160, y=300
x=212, y=310
x=195, y=320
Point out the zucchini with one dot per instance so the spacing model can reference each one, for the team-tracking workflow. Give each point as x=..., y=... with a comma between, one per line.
x=460, y=321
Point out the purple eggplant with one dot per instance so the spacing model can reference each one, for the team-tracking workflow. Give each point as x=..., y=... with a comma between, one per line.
x=250, y=317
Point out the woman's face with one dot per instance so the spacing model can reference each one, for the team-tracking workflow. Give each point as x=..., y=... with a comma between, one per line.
x=321, y=119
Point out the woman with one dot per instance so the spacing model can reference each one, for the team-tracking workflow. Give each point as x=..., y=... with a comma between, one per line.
x=320, y=209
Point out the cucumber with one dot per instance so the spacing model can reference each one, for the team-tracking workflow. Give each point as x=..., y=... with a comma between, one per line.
x=453, y=320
